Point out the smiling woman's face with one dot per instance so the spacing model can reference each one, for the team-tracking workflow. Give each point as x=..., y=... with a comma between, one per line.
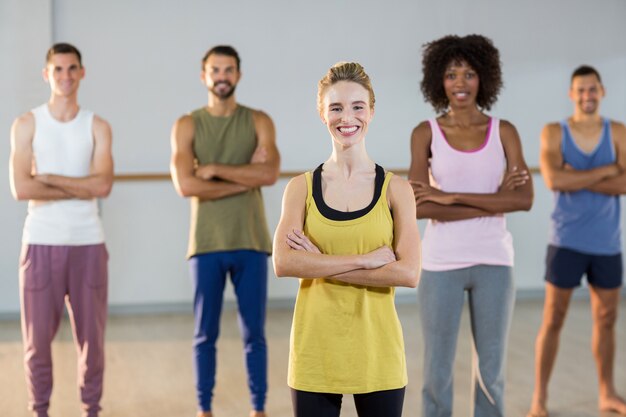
x=346, y=112
x=460, y=82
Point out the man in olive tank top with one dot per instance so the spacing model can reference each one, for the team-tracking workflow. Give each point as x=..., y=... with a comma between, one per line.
x=221, y=155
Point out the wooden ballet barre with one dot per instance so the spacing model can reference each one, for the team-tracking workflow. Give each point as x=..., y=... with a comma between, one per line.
x=164, y=176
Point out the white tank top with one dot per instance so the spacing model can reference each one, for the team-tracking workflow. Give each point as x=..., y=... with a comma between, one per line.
x=63, y=148
x=464, y=243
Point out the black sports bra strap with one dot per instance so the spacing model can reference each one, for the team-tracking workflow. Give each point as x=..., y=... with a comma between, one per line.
x=331, y=213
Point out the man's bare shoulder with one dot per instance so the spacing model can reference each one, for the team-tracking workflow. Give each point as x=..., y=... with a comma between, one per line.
x=25, y=120
x=618, y=131
x=100, y=124
x=183, y=132
x=551, y=131
x=260, y=116
x=24, y=126
x=185, y=122
x=185, y=119
x=263, y=125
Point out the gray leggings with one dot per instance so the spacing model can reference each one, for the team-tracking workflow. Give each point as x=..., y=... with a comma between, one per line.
x=441, y=297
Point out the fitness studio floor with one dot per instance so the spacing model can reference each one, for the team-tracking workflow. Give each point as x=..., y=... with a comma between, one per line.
x=149, y=366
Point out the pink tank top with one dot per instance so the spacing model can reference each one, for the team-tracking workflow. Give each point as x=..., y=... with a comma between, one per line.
x=463, y=243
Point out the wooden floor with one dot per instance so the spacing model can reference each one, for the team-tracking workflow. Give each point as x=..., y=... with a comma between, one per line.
x=149, y=370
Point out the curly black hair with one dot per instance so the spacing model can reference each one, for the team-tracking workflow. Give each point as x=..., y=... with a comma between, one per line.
x=478, y=51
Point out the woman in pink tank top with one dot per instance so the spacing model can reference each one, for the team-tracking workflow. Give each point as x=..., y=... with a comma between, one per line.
x=467, y=170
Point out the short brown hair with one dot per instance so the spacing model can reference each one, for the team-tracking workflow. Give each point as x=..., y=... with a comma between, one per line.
x=63, y=48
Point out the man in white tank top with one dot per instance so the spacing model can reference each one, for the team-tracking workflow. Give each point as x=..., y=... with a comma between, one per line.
x=61, y=163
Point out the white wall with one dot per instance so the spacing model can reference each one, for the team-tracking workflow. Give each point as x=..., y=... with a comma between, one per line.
x=143, y=72
x=25, y=35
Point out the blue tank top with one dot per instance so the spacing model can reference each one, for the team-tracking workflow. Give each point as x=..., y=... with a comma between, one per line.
x=587, y=221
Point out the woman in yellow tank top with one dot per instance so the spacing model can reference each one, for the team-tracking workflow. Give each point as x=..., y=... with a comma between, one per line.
x=348, y=231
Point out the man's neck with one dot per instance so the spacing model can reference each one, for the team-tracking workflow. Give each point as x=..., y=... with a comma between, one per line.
x=586, y=129
x=221, y=107
x=63, y=109
x=586, y=118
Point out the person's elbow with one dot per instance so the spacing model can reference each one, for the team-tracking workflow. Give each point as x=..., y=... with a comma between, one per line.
x=19, y=194
x=555, y=183
x=414, y=278
x=269, y=176
x=183, y=191
x=526, y=202
x=103, y=189
x=286, y=262
x=281, y=269
x=183, y=187
x=20, y=191
x=410, y=276
x=527, y=205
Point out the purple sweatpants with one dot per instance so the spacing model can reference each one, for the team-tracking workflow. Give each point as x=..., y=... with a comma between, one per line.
x=51, y=276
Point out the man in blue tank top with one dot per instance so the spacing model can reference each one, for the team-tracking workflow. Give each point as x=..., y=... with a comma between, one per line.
x=583, y=160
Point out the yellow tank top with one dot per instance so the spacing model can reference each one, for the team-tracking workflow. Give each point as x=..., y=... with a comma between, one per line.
x=345, y=338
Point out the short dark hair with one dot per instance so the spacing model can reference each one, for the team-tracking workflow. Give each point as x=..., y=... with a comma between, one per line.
x=479, y=53
x=585, y=70
x=222, y=50
x=63, y=48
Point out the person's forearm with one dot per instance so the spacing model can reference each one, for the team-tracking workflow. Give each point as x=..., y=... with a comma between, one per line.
x=453, y=212
x=575, y=180
x=610, y=186
x=394, y=274
x=208, y=189
x=302, y=264
x=31, y=189
x=92, y=186
x=500, y=202
x=250, y=175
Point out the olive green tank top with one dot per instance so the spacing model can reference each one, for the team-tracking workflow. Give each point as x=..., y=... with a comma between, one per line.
x=234, y=222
